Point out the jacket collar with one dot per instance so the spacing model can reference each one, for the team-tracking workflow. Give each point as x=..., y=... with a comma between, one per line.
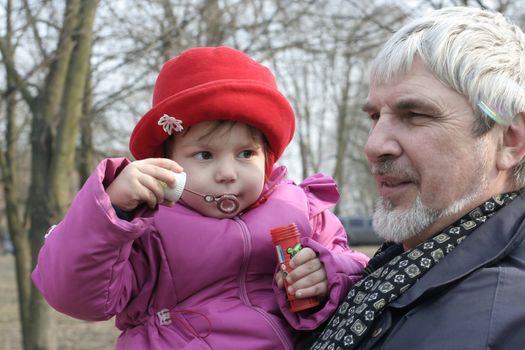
x=492, y=241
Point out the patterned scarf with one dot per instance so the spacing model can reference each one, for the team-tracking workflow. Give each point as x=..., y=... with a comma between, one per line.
x=385, y=281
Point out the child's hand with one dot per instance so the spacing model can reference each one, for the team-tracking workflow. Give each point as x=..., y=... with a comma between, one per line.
x=139, y=183
x=308, y=278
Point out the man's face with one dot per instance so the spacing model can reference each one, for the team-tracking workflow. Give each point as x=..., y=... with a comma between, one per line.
x=429, y=167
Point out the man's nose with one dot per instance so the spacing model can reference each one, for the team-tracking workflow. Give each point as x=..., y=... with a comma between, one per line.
x=382, y=140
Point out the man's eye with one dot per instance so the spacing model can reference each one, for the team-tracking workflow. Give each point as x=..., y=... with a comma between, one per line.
x=415, y=116
x=203, y=155
x=246, y=154
x=373, y=116
x=419, y=114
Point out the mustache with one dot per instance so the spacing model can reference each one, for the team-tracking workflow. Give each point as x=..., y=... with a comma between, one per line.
x=388, y=167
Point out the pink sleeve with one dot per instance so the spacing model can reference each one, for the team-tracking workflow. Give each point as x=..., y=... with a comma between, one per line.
x=343, y=265
x=84, y=268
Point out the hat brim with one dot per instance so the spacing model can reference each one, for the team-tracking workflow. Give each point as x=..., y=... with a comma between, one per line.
x=245, y=101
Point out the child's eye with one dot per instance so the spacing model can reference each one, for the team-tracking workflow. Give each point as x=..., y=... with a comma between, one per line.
x=246, y=154
x=202, y=155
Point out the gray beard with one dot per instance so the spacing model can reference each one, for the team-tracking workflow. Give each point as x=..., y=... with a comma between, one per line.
x=401, y=224
x=398, y=225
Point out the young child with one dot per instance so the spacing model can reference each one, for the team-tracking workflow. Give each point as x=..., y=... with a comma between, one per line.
x=199, y=273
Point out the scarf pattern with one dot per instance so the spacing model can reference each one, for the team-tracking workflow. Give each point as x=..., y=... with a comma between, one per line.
x=367, y=299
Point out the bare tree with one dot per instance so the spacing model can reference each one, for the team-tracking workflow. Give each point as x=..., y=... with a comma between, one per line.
x=326, y=76
x=55, y=103
x=320, y=51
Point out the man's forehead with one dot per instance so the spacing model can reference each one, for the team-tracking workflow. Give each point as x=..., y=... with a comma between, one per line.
x=404, y=103
x=418, y=88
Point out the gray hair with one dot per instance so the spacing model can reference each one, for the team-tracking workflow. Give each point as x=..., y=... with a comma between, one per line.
x=478, y=53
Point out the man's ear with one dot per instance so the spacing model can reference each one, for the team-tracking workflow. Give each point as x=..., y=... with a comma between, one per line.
x=512, y=149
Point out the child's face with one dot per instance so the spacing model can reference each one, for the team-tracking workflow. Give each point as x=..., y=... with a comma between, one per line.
x=219, y=160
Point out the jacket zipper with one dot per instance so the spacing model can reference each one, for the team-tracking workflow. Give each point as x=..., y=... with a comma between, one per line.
x=247, y=249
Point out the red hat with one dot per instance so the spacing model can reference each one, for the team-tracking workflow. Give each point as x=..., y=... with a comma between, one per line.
x=214, y=83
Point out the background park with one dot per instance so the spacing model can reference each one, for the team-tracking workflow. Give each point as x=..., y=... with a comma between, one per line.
x=76, y=75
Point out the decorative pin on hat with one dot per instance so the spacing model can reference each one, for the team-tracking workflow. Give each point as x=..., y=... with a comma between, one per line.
x=170, y=124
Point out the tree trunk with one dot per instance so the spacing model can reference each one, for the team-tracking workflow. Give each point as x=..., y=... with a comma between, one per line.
x=17, y=232
x=9, y=181
x=37, y=330
x=54, y=130
x=85, y=155
x=342, y=132
x=63, y=155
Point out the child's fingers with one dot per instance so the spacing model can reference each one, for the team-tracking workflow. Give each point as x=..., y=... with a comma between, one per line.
x=164, y=163
x=306, y=254
x=149, y=190
x=279, y=279
x=305, y=269
x=139, y=183
x=160, y=169
x=151, y=199
x=317, y=290
x=310, y=279
x=152, y=191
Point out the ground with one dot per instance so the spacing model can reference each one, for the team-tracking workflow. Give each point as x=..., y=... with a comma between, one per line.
x=72, y=334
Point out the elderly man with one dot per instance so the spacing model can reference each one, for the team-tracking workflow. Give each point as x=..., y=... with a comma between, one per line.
x=446, y=147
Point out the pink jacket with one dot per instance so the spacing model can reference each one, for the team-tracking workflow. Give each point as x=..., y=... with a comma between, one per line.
x=178, y=280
